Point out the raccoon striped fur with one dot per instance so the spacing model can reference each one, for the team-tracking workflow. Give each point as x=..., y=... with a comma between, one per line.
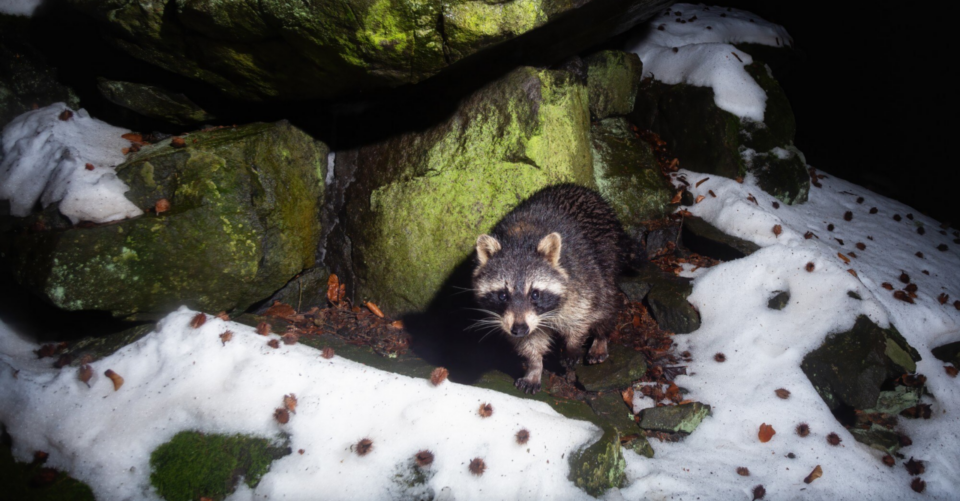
x=550, y=267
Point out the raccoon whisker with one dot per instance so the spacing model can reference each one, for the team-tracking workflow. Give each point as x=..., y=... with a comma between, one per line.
x=484, y=323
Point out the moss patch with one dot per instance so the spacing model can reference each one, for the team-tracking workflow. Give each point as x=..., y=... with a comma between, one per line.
x=34, y=482
x=194, y=465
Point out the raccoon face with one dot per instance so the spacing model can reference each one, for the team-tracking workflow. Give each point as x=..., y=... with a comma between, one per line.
x=521, y=289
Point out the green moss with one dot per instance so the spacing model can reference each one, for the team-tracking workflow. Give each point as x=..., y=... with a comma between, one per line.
x=213, y=250
x=472, y=24
x=20, y=481
x=612, y=78
x=434, y=192
x=194, y=465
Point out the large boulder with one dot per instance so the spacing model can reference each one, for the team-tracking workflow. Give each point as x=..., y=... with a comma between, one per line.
x=865, y=376
x=243, y=220
x=419, y=200
x=711, y=140
x=320, y=49
x=153, y=102
x=627, y=174
x=612, y=77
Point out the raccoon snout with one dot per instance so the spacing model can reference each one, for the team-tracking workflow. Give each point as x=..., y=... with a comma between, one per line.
x=519, y=330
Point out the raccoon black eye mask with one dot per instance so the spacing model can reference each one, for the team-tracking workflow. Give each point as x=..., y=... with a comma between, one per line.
x=549, y=267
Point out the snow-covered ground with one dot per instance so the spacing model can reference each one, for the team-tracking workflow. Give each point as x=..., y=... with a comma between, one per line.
x=693, y=44
x=180, y=378
x=764, y=347
x=55, y=154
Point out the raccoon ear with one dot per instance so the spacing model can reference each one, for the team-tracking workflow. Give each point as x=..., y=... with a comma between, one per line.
x=487, y=246
x=549, y=246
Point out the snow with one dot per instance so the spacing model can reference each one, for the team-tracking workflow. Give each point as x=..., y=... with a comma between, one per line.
x=20, y=7
x=695, y=47
x=45, y=159
x=179, y=378
x=764, y=347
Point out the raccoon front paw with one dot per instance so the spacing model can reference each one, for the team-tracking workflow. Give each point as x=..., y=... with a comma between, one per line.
x=597, y=358
x=527, y=386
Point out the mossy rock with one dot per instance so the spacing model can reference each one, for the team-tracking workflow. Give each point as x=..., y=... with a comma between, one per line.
x=619, y=371
x=193, y=465
x=628, y=175
x=420, y=199
x=612, y=79
x=281, y=49
x=683, y=418
x=851, y=369
x=710, y=140
x=153, y=102
x=34, y=482
x=26, y=81
x=600, y=466
x=668, y=304
x=244, y=219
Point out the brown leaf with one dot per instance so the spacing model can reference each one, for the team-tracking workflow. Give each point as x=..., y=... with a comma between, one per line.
x=226, y=337
x=844, y=258
x=290, y=338
x=424, y=458
x=847, y=216
x=704, y=180
x=677, y=196
x=782, y=393
x=943, y=298
x=918, y=485
x=363, y=447
x=627, y=396
x=699, y=199
x=523, y=436
x=810, y=267
x=752, y=199
x=89, y=166
x=280, y=310
x=477, y=466
x=815, y=474
x=263, y=328
x=397, y=324
x=161, y=206
x=374, y=309
x=85, y=373
x=904, y=277
x=178, y=142
x=327, y=353
x=903, y=297
x=833, y=439
x=223, y=316
x=712, y=194
x=914, y=467
x=950, y=370
x=281, y=415
x=862, y=246
x=887, y=285
x=759, y=492
x=852, y=272
x=198, y=320
x=738, y=179
x=335, y=291
x=438, y=376
x=117, y=380
x=888, y=460
x=777, y=230
x=743, y=471
x=766, y=432
x=66, y=115
x=486, y=410
x=290, y=402
x=273, y=343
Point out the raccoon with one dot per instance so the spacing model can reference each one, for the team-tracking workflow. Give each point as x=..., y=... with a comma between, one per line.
x=550, y=267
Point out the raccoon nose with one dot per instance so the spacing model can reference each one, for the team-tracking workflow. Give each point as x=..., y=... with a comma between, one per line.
x=519, y=330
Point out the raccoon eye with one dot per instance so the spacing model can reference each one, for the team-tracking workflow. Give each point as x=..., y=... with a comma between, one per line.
x=535, y=295
x=502, y=296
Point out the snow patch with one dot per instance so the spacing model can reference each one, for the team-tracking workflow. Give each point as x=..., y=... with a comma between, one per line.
x=71, y=161
x=693, y=44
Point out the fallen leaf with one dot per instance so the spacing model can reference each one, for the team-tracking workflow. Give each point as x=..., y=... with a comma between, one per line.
x=263, y=328
x=699, y=199
x=290, y=402
x=628, y=396
x=327, y=353
x=281, y=415
x=782, y=393
x=852, y=272
x=374, y=309
x=815, y=474
x=66, y=115
x=844, y=258
x=438, y=376
x=117, y=380
x=701, y=182
x=766, y=432
x=397, y=324
x=226, y=337
x=178, y=142
x=777, y=229
x=85, y=373
x=743, y=471
x=335, y=291
x=161, y=206
x=198, y=320
x=903, y=297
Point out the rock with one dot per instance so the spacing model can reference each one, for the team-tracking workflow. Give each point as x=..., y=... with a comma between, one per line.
x=153, y=102
x=304, y=291
x=243, y=220
x=612, y=79
x=850, y=368
x=628, y=175
x=280, y=49
x=600, y=466
x=668, y=304
x=662, y=241
x=683, y=418
x=859, y=374
x=420, y=199
x=949, y=353
x=610, y=408
x=622, y=368
x=710, y=140
x=706, y=239
x=779, y=301
x=26, y=81
x=635, y=288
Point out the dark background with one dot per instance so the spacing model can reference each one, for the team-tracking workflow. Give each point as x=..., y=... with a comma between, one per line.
x=872, y=96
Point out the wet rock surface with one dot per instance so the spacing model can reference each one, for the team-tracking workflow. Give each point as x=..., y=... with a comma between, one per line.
x=153, y=102
x=243, y=220
x=683, y=418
